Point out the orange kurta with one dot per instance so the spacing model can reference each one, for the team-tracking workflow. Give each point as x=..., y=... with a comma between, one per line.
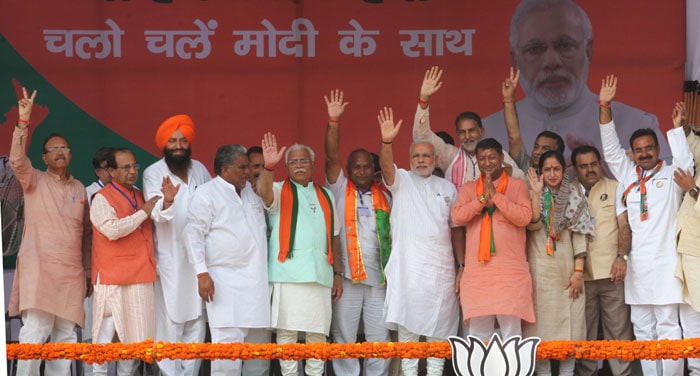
x=502, y=285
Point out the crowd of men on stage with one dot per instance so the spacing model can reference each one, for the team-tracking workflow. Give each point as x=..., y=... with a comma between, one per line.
x=554, y=243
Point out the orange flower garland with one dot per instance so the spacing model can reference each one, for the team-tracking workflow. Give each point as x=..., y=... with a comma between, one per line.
x=150, y=350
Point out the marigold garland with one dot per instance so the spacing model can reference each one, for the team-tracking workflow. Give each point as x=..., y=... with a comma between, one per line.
x=149, y=350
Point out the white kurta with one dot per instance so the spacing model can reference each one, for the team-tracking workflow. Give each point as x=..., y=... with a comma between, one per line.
x=421, y=270
x=652, y=259
x=226, y=237
x=367, y=232
x=93, y=188
x=176, y=274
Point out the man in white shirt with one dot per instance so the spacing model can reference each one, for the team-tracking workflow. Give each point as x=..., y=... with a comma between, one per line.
x=421, y=298
x=179, y=316
x=226, y=242
x=365, y=244
x=653, y=200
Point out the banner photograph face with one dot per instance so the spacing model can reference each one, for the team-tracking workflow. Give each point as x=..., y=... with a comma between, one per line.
x=108, y=73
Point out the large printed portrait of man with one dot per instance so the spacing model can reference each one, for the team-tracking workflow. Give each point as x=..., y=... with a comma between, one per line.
x=552, y=44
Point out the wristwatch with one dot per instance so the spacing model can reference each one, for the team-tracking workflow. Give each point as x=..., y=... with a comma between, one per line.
x=339, y=273
x=483, y=200
x=623, y=256
x=694, y=192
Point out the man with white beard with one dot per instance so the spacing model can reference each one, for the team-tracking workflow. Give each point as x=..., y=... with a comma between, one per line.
x=551, y=44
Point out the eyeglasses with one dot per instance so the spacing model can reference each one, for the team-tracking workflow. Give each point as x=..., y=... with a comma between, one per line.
x=128, y=168
x=564, y=47
x=298, y=162
x=55, y=149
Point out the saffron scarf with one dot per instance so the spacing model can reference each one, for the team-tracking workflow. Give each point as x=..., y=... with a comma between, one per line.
x=487, y=246
x=289, y=212
x=641, y=181
x=354, y=248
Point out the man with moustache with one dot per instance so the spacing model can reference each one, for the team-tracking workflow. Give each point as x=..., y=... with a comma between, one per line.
x=606, y=258
x=99, y=166
x=421, y=283
x=652, y=200
x=458, y=162
x=304, y=264
x=257, y=367
x=495, y=284
x=123, y=264
x=255, y=157
x=365, y=244
x=544, y=142
x=226, y=242
x=52, y=276
x=551, y=43
x=179, y=315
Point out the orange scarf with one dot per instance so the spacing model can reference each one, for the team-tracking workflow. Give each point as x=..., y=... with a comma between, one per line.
x=641, y=181
x=487, y=247
x=380, y=205
x=289, y=210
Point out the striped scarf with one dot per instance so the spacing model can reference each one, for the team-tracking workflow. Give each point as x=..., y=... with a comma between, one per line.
x=487, y=245
x=354, y=248
x=641, y=182
x=289, y=212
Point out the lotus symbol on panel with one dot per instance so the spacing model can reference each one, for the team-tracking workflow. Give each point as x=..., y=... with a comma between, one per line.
x=514, y=357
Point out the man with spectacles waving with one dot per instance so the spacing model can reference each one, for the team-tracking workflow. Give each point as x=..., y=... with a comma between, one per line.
x=54, y=258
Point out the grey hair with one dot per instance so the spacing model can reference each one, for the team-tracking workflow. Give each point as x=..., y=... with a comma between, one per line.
x=526, y=6
x=226, y=155
x=299, y=147
x=414, y=143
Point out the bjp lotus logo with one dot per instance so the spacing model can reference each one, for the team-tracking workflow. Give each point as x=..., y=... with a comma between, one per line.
x=515, y=357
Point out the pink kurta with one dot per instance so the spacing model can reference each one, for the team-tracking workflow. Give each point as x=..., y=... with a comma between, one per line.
x=502, y=285
x=55, y=243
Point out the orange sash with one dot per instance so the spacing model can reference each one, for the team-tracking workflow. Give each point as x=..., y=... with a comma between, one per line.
x=487, y=247
x=382, y=210
x=289, y=211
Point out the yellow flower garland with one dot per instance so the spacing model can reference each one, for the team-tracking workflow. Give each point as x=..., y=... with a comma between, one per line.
x=150, y=350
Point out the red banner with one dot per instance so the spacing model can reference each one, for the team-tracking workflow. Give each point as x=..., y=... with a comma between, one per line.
x=109, y=72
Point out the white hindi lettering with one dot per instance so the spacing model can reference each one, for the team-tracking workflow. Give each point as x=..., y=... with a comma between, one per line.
x=87, y=42
x=357, y=42
x=432, y=42
x=188, y=41
x=290, y=42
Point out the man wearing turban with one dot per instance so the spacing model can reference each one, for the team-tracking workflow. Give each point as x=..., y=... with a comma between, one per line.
x=178, y=306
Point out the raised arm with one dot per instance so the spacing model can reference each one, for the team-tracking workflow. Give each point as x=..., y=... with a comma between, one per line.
x=679, y=117
x=608, y=88
x=508, y=89
x=677, y=140
x=336, y=107
x=19, y=161
x=386, y=152
x=431, y=84
x=271, y=156
x=421, y=121
x=613, y=153
x=537, y=186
